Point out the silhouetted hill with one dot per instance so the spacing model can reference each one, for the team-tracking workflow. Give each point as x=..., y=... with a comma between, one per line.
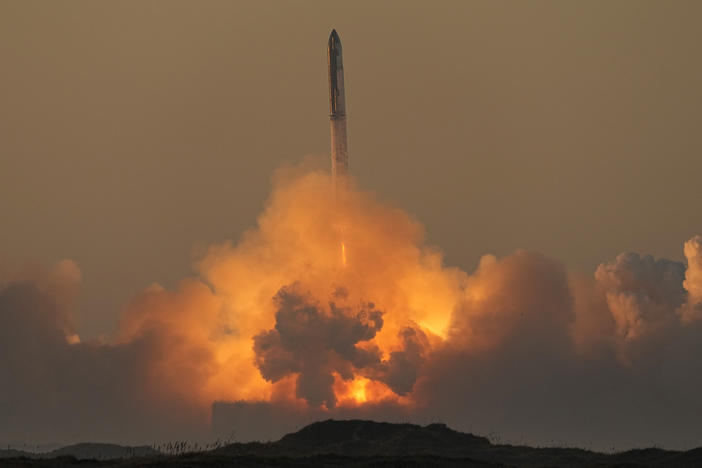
x=85, y=451
x=357, y=438
x=368, y=438
x=363, y=444
x=11, y=453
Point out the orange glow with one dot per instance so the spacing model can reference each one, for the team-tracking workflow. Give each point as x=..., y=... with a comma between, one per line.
x=211, y=325
x=359, y=391
x=353, y=391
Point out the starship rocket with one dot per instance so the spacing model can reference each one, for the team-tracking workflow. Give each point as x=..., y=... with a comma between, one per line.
x=337, y=109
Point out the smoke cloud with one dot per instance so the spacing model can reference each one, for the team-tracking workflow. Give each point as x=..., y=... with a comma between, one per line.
x=314, y=343
x=336, y=307
x=692, y=310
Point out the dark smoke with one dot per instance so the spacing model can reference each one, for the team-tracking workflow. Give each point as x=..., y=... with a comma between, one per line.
x=54, y=389
x=316, y=341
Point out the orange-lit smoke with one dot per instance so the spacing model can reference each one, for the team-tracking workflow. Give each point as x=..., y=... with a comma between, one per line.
x=337, y=302
x=335, y=306
x=293, y=311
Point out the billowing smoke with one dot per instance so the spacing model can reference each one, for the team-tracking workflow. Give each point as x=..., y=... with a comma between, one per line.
x=335, y=307
x=57, y=388
x=314, y=342
x=641, y=293
x=692, y=310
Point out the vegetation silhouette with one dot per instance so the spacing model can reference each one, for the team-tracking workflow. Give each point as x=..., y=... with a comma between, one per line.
x=355, y=443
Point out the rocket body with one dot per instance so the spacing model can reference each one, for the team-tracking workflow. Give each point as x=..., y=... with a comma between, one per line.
x=337, y=111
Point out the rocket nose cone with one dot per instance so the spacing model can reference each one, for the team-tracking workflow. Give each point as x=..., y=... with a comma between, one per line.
x=334, y=38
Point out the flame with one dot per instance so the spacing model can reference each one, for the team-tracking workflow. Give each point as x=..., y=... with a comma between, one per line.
x=360, y=391
x=343, y=254
x=357, y=389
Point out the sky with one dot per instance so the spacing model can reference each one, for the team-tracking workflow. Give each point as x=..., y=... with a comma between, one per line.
x=133, y=132
x=134, y=135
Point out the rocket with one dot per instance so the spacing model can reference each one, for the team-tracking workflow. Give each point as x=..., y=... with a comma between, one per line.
x=337, y=112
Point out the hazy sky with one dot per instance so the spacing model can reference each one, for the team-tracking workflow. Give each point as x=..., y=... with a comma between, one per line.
x=133, y=132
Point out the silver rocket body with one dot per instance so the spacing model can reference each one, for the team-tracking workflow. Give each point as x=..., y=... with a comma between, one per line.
x=337, y=112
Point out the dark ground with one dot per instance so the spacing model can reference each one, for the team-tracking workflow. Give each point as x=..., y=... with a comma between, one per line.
x=359, y=444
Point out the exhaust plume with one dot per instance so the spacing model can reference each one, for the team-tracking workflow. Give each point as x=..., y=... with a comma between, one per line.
x=281, y=327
